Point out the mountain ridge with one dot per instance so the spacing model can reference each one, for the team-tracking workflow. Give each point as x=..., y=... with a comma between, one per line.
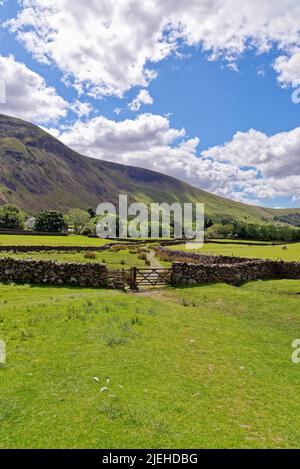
x=37, y=171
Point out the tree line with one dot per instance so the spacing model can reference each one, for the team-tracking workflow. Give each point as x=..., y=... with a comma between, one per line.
x=84, y=222
x=251, y=231
x=13, y=218
x=291, y=218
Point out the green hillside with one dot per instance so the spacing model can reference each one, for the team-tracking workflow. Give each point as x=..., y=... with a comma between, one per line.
x=38, y=172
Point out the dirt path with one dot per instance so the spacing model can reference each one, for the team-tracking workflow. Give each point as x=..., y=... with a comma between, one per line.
x=154, y=261
x=158, y=293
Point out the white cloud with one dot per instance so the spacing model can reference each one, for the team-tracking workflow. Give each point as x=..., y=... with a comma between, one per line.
x=288, y=68
x=143, y=97
x=276, y=156
x=148, y=141
x=102, y=137
x=275, y=159
x=27, y=94
x=81, y=109
x=105, y=47
x=252, y=167
x=51, y=130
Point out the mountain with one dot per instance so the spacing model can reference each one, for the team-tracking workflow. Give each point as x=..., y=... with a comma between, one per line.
x=37, y=171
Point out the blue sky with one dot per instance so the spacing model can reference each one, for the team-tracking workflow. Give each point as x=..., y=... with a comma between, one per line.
x=198, y=126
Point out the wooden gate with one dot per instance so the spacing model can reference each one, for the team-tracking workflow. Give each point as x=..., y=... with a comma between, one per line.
x=151, y=276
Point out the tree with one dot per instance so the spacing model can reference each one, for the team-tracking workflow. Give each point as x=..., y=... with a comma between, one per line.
x=11, y=217
x=220, y=231
x=266, y=232
x=50, y=221
x=78, y=218
x=91, y=212
x=227, y=220
x=88, y=230
x=207, y=223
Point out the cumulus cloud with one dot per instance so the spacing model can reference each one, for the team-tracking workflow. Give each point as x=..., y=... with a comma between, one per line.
x=275, y=156
x=149, y=141
x=143, y=97
x=252, y=167
x=27, y=94
x=275, y=160
x=102, y=137
x=81, y=109
x=288, y=68
x=105, y=47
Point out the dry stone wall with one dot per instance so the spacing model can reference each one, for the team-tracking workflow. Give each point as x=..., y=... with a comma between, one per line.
x=192, y=268
x=31, y=233
x=235, y=274
x=211, y=269
x=188, y=256
x=18, y=248
x=53, y=273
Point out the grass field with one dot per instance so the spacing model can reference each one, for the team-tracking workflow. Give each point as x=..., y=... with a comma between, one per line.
x=291, y=253
x=208, y=366
x=72, y=240
x=242, y=241
x=202, y=367
x=115, y=260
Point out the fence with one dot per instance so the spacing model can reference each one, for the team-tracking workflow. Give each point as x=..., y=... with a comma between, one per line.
x=152, y=276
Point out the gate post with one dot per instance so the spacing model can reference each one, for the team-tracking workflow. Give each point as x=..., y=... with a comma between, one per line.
x=133, y=284
x=172, y=276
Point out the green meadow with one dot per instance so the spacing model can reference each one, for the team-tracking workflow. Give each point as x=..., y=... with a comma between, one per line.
x=208, y=366
x=114, y=260
x=286, y=252
x=196, y=367
x=33, y=240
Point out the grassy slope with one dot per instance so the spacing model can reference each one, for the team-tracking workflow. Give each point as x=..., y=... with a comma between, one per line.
x=33, y=163
x=199, y=367
x=292, y=253
x=283, y=211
